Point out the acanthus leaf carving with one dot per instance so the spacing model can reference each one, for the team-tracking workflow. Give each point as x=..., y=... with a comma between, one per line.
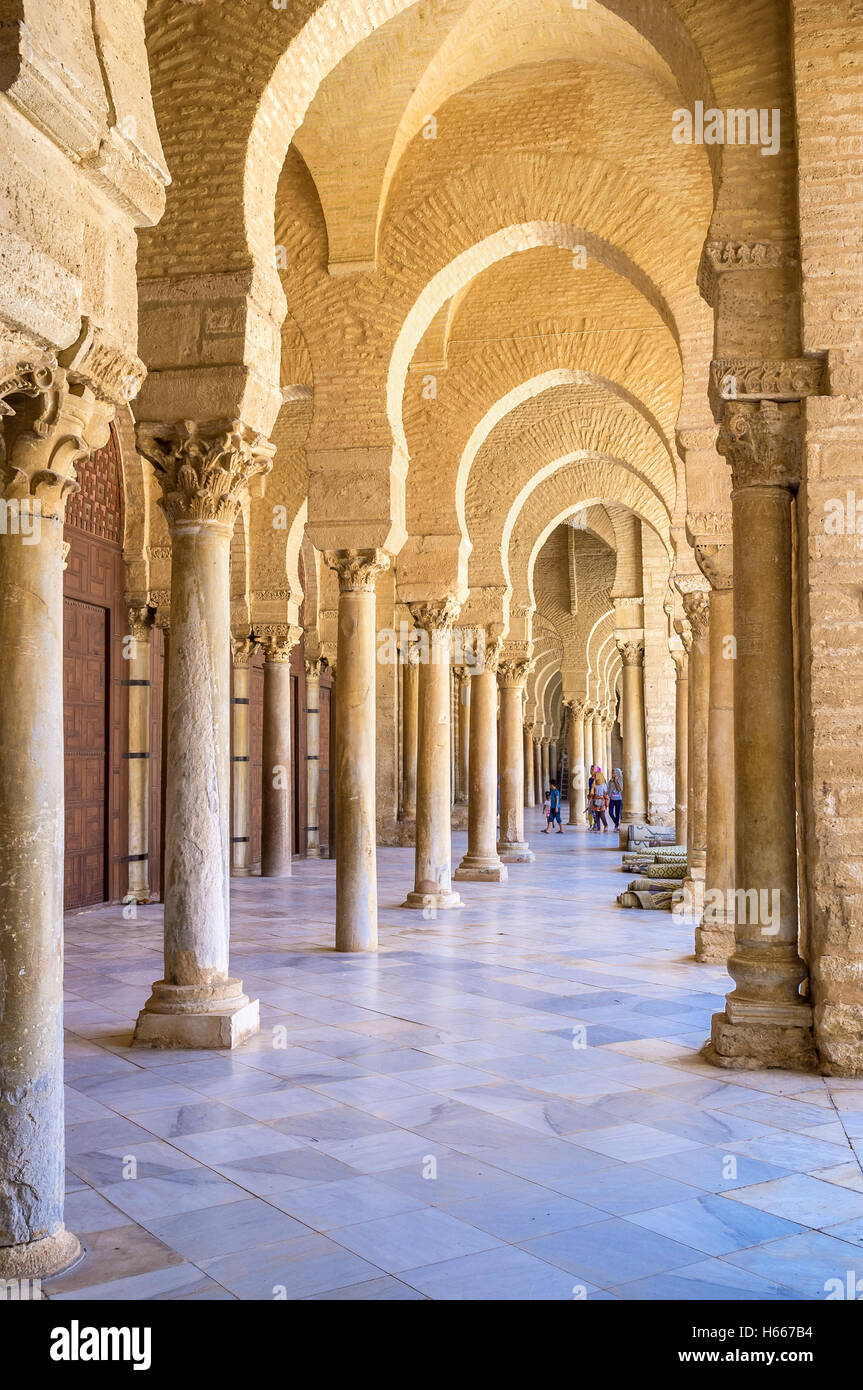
x=204, y=468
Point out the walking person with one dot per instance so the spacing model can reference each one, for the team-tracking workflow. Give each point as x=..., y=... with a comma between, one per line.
x=554, y=808
x=599, y=801
x=546, y=811
x=615, y=796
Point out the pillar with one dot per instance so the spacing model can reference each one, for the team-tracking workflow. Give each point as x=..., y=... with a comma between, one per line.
x=697, y=608
x=140, y=622
x=482, y=863
x=607, y=764
x=681, y=742
x=203, y=471
x=577, y=794
x=552, y=761
x=432, y=859
x=634, y=751
x=538, y=787
x=276, y=752
x=313, y=754
x=596, y=736
x=546, y=771
x=354, y=771
x=45, y=426
x=242, y=651
x=766, y=1020
x=333, y=799
x=714, y=935
x=410, y=689
x=465, y=688
x=529, y=780
x=512, y=847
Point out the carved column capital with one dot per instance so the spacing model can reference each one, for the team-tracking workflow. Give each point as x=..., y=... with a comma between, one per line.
x=716, y=562
x=139, y=621
x=680, y=657
x=684, y=632
x=631, y=651
x=576, y=708
x=277, y=641
x=435, y=615
x=358, y=570
x=48, y=424
x=513, y=673
x=243, y=648
x=697, y=608
x=204, y=468
x=488, y=656
x=315, y=667
x=762, y=442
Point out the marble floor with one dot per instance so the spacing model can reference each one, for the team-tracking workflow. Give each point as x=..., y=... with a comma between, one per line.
x=506, y=1102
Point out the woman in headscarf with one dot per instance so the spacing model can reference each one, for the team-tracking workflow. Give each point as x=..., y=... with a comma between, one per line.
x=599, y=800
x=615, y=796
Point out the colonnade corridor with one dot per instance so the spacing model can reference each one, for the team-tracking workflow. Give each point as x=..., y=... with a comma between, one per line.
x=503, y=1102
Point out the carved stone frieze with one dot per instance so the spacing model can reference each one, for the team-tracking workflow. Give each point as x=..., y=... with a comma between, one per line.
x=717, y=257
x=779, y=379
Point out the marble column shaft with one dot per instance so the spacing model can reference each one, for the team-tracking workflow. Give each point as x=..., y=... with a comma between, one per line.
x=356, y=860
x=577, y=795
x=409, y=736
x=432, y=860
x=482, y=862
x=634, y=745
x=277, y=780
x=714, y=936
x=242, y=650
x=681, y=747
x=313, y=756
x=529, y=787
x=140, y=627
x=512, y=846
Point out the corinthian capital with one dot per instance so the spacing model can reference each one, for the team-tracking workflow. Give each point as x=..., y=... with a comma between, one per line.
x=204, y=469
x=315, y=667
x=435, y=615
x=697, y=609
x=357, y=570
x=139, y=620
x=576, y=708
x=512, y=673
x=631, y=650
x=761, y=441
x=277, y=641
x=243, y=648
x=48, y=424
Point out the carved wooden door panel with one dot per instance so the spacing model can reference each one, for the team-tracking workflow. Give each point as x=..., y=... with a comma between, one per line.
x=85, y=725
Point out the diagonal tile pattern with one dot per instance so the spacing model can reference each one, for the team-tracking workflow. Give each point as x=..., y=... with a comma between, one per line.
x=506, y=1102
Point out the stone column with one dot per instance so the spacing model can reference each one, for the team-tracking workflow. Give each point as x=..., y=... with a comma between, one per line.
x=204, y=472
x=482, y=862
x=634, y=752
x=313, y=754
x=766, y=1021
x=529, y=786
x=140, y=623
x=242, y=651
x=46, y=430
x=432, y=864
x=354, y=771
x=577, y=794
x=714, y=935
x=588, y=744
x=697, y=608
x=546, y=773
x=465, y=691
x=607, y=763
x=539, y=790
x=681, y=744
x=596, y=736
x=333, y=800
x=512, y=847
x=552, y=760
x=276, y=751
x=409, y=735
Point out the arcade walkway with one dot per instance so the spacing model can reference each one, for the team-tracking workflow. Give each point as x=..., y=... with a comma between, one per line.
x=420, y=1124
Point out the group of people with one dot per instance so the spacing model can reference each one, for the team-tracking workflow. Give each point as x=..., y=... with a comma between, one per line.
x=602, y=796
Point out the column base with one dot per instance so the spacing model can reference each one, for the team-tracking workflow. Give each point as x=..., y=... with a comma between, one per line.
x=241, y=871
x=436, y=901
x=314, y=852
x=186, y=1016
x=40, y=1259
x=714, y=939
x=477, y=868
x=515, y=852
x=745, y=1038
